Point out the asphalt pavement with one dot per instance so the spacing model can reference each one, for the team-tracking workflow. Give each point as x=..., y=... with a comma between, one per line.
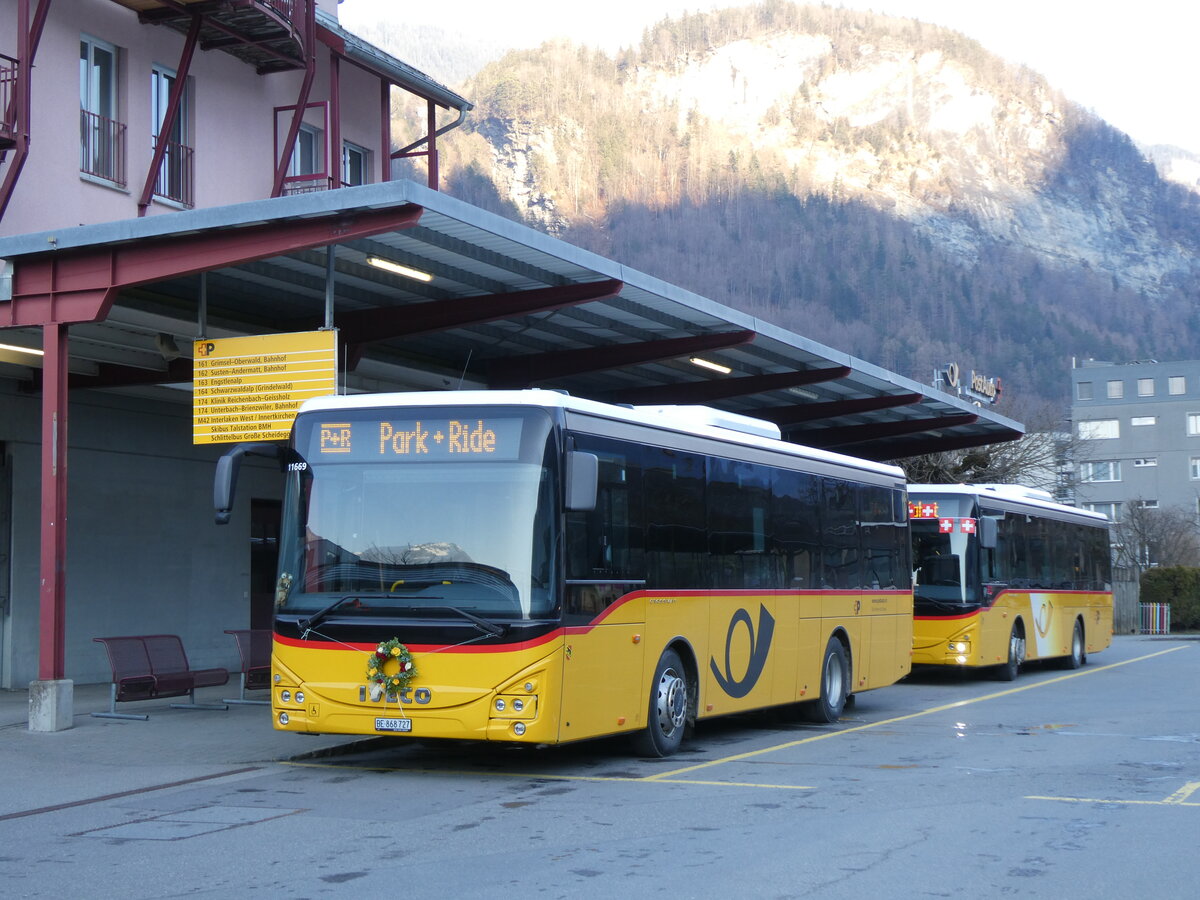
x=99, y=758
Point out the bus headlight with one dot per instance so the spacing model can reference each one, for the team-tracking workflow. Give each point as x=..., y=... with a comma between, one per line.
x=500, y=704
x=285, y=696
x=283, y=718
x=518, y=728
x=299, y=696
x=960, y=647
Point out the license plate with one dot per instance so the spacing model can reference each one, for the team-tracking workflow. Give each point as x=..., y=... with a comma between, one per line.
x=393, y=724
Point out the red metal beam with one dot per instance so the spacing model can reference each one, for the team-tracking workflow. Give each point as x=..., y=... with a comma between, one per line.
x=28, y=40
x=523, y=371
x=813, y=412
x=310, y=68
x=723, y=389
x=856, y=434
x=52, y=602
x=174, y=101
x=80, y=286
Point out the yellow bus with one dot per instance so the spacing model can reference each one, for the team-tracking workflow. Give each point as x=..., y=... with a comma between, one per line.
x=1004, y=575
x=524, y=566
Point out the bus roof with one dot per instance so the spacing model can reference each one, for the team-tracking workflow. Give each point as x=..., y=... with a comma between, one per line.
x=697, y=420
x=1016, y=494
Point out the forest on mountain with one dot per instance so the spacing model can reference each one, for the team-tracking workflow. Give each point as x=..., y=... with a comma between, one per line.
x=1009, y=244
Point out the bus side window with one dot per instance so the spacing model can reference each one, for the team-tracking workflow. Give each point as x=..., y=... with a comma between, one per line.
x=796, y=528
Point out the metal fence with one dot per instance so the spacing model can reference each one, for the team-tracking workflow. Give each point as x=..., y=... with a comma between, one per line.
x=102, y=147
x=1155, y=618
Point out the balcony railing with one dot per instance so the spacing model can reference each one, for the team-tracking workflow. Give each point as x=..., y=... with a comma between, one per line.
x=102, y=147
x=306, y=184
x=284, y=7
x=175, y=176
x=8, y=97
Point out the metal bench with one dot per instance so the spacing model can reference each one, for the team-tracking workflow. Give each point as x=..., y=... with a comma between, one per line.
x=254, y=647
x=147, y=667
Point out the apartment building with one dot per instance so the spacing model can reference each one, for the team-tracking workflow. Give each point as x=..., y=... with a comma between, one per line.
x=115, y=109
x=1138, y=426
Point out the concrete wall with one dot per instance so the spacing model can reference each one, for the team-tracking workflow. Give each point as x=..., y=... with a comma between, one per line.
x=143, y=553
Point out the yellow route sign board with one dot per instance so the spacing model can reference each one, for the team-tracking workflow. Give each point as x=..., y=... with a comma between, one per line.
x=249, y=388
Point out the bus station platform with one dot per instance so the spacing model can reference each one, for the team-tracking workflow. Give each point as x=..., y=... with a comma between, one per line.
x=102, y=758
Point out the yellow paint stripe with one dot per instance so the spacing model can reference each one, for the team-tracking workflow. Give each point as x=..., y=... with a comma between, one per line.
x=533, y=776
x=1122, y=802
x=1183, y=793
x=928, y=712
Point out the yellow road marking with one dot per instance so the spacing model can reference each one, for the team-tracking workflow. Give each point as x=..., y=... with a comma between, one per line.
x=928, y=712
x=543, y=777
x=1178, y=798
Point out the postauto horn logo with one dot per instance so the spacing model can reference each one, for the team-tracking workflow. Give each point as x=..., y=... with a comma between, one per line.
x=760, y=646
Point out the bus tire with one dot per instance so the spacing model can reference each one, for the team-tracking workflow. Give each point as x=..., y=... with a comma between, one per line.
x=1016, y=655
x=1078, y=655
x=670, y=704
x=835, y=685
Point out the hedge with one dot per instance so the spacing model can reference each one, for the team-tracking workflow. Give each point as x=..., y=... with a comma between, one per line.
x=1180, y=587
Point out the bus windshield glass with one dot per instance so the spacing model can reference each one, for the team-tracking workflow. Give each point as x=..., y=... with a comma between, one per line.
x=395, y=510
x=944, y=549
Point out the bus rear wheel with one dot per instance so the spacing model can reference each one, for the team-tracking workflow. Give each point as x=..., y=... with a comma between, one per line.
x=1078, y=650
x=670, y=703
x=1016, y=655
x=835, y=685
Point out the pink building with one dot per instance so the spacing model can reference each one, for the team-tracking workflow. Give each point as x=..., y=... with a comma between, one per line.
x=192, y=103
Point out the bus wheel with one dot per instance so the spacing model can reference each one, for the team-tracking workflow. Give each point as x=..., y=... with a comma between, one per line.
x=1016, y=655
x=1078, y=654
x=835, y=683
x=669, y=706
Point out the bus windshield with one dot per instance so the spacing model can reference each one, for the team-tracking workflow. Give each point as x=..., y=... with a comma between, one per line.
x=944, y=549
x=414, y=511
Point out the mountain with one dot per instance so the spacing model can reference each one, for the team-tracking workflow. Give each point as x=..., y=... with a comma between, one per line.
x=879, y=184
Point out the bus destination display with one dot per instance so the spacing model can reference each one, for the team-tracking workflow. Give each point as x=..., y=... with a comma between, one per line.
x=417, y=439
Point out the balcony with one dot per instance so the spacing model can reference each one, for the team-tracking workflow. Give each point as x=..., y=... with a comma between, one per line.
x=175, y=177
x=102, y=147
x=267, y=34
x=8, y=102
x=306, y=184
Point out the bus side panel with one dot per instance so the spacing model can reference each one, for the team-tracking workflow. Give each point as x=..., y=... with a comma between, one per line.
x=890, y=625
x=604, y=680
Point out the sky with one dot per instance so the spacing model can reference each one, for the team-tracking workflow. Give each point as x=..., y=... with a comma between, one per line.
x=1131, y=63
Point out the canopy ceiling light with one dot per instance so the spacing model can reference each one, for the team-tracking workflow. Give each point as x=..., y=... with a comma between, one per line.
x=712, y=366
x=17, y=349
x=396, y=269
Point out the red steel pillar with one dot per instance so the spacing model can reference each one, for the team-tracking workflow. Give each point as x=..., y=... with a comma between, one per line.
x=51, y=651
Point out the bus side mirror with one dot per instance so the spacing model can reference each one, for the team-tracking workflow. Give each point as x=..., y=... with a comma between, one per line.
x=225, y=480
x=583, y=475
x=989, y=529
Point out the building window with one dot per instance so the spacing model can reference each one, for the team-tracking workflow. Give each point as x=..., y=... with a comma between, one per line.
x=307, y=169
x=355, y=164
x=1097, y=429
x=1195, y=468
x=1116, y=390
x=1145, y=462
x=1083, y=390
x=1139, y=421
x=1112, y=510
x=1100, y=470
x=1145, y=387
x=1176, y=384
x=1193, y=424
x=175, y=181
x=101, y=136
x=1146, y=504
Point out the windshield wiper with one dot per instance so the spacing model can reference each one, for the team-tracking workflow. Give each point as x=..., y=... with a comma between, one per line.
x=482, y=624
x=306, y=625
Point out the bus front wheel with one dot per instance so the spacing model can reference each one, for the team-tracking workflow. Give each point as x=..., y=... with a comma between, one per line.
x=669, y=706
x=1007, y=671
x=835, y=684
